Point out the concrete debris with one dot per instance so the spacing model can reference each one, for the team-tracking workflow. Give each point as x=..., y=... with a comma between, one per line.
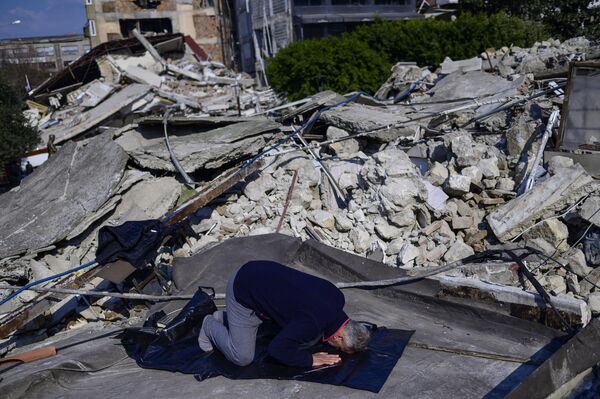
x=420, y=187
x=554, y=194
x=82, y=175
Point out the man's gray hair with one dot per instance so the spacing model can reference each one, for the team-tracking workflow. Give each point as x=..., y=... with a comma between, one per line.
x=357, y=336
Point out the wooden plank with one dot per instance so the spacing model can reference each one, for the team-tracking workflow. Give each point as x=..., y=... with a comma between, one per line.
x=215, y=189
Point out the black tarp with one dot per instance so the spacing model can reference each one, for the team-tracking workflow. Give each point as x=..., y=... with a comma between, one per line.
x=175, y=348
x=92, y=363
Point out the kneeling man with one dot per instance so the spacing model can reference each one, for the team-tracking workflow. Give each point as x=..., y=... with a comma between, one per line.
x=308, y=309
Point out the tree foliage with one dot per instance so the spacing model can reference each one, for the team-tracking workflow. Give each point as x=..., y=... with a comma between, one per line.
x=339, y=64
x=564, y=18
x=16, y=136
x=361, y=60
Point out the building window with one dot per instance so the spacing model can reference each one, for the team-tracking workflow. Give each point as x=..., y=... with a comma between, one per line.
x=92, y=26
x=157, y=25
x=391, y=2
x=44, y=51
x=69, y=50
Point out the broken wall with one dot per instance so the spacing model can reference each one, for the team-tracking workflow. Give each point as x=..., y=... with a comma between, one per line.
x=196, y=19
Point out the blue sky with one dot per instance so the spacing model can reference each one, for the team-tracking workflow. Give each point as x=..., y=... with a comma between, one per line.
x=41, y=17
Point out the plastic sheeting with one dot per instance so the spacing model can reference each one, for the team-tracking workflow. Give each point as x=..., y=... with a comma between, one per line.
x=169, y=349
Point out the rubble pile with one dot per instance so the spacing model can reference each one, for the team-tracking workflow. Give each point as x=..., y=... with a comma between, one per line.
x=433, y=169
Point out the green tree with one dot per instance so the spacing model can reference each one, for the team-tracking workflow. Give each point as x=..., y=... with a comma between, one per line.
x=16, y=136
x=340, y=64
x=564, y=18
x=361, y=60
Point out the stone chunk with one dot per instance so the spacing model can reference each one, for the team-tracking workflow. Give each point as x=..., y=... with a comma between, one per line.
x=259, y=188
x=459, y=250
x=404, y=218
x=458, y=185
x=438, y=174
x=322, y=218
x=542, y=201
x=473, y=172
x=436, y=253
x=342, y=222
x=553, y=231
x=555, y=164
x=387, y=232
x=576, y=262
x=594, y=303
x=489, y=167
x=462, y=222
x=360, y=239
x=342, y=148
x=407, y=253
x=590, y=210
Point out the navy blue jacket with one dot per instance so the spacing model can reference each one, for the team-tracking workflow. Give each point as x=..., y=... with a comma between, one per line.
x=307, y=308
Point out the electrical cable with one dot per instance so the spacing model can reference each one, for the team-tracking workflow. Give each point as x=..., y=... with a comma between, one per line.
x=46, y=279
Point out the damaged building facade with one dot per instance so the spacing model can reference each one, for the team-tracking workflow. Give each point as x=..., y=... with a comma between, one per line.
x=265, y=26
x=52, y=53
x=207, y=22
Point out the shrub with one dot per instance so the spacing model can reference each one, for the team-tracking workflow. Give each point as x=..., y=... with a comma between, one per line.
x=361, y=60
x=16, y=136
x=340, y=64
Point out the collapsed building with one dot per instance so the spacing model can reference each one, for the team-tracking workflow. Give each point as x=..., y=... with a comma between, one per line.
x=471, y=189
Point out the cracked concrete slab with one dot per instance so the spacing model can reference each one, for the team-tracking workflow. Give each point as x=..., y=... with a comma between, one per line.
x=196, y=150
x=59, y=195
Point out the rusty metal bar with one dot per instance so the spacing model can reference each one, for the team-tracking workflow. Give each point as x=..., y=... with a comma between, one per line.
x=287, y=201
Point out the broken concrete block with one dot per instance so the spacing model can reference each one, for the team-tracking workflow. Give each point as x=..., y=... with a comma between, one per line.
x=457, y=185
x=437, y=174
x=589, y=282
x=403, y=191
x=348, y=181
x=360, y=239
x=60, y=194
x=83, y=122
x=354, y=118
x=544, y=200
x=541, y=245
x=556, y=163
x=590, y=210
x=552, y=231
x=404, y=218
x=489, y=168
x=408, y=252
x=342, y=148
x=459, y=250
x=505, y=183
x=556, y=284
x=322, y=218
x=436, y=197
x=473, y=172
x=576, y=263
x=436, y=253
x=208, y=150
x=471, y=64
x=462, y=222
x=260, y=187
x=594, y=303
x=387, y=232
x=342, y=222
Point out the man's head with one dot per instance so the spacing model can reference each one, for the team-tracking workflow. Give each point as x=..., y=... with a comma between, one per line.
x=353, y=337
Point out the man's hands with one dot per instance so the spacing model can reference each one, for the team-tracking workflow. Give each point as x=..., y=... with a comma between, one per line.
x=325, y=359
